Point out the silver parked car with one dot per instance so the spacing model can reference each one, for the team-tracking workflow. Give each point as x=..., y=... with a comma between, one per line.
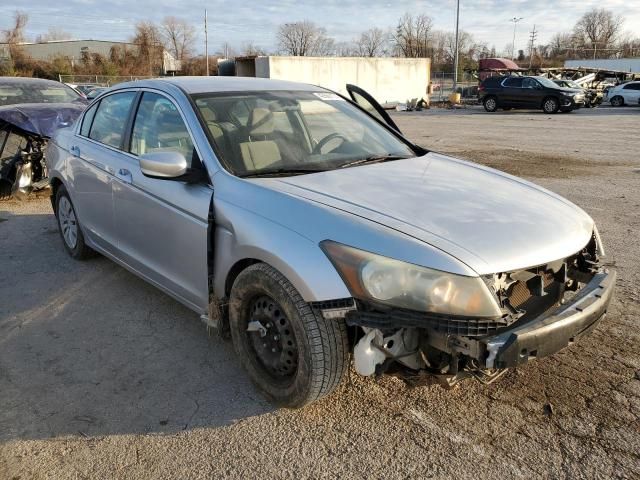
x=303, y=224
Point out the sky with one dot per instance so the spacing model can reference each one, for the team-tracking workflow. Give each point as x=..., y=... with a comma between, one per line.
x=243, y=21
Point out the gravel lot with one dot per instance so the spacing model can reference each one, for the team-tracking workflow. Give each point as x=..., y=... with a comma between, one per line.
x=102, y=376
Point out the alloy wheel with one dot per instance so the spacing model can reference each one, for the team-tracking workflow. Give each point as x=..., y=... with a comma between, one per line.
x=68, y=222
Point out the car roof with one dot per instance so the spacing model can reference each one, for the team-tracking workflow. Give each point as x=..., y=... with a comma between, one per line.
x=27, y=81
x=195, y=85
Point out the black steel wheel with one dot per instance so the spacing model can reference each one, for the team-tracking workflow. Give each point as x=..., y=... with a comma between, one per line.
x=290, y=351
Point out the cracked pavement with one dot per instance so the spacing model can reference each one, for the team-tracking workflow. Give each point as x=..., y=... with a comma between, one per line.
x=103, y=376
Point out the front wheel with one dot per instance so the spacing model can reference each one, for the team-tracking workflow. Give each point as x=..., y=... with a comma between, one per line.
x=617, y=101
x=550, y=105
x=291, y=352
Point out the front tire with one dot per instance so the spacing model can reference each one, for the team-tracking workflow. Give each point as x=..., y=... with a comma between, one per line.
x=550, y=105
x=617, y=101
x=291, y=352
x=490, y=104
x=70, y=230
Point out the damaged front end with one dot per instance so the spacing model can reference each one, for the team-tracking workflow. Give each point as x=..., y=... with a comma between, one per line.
x=24, y=132
x=543, y=309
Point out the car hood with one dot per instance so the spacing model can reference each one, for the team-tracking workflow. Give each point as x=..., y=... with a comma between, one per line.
x=489, y=220
x=41, y=119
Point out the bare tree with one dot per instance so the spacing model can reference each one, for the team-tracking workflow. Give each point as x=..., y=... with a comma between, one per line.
x=597, y=30
x=250, y=49
x=15, y=34
x=179, y=37
x=149, y=41
x=53, y=34
x=304, y=39
x=372, y=43
x=413, y=35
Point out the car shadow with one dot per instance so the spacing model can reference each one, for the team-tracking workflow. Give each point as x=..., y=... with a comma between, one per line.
x=86, y=348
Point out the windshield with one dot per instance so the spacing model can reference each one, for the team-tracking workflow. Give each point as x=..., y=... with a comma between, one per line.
x=12, y=94
x=294, y=132
x=546, y=82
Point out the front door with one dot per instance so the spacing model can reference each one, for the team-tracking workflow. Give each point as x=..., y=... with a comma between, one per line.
x=162, y=223
x=367, y=102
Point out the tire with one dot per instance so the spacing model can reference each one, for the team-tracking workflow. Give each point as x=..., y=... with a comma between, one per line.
x=302, y=356
x=550, y=105
x=617, y=101
x=490, y=104
x=70, y=230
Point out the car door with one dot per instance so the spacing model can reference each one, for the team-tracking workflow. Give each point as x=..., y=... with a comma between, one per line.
x=367, y=102
x=512, y=92
x=162, y=223
x=631, y=93
x=91, y=166
x=532, y=92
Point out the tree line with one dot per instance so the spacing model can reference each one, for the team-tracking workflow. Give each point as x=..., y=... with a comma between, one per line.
x=597, y=34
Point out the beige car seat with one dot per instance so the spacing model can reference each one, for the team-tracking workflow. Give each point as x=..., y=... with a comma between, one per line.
x=259, y=152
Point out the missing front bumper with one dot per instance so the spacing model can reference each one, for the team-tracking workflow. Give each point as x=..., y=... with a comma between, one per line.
x=550, y=333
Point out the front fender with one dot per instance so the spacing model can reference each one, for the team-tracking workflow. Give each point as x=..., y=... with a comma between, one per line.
x=241, y=234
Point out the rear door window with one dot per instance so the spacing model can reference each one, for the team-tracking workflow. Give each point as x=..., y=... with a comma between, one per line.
x=87, y=120
x=513, y=82
x=110, y=119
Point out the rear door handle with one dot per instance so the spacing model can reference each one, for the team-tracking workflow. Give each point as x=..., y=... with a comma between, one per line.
x=124, y=175
x=75, y=150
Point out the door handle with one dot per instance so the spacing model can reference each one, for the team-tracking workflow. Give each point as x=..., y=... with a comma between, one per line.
x=75, y=150
x=124, y=175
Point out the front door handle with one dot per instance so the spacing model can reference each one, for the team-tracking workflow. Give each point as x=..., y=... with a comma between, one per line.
x=75, y=150
x=124, y=175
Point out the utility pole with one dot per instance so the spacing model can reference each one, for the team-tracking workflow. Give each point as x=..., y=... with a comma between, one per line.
x=515, y=21
x=206, y=41
x=532, y=39
x=455, y=56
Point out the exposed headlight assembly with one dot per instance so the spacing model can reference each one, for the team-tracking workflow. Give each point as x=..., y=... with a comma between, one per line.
x=404, y=285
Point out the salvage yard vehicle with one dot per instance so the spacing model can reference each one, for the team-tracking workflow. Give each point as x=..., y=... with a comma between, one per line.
x=301, y=223
x=624, y=94
x=528, y=92
x=592, y=98
x=30, y=111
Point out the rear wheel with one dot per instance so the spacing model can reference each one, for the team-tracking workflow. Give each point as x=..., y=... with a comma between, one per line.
x=490, y=104
x=550, y=105
x=617, y=101
x=70, y=231
x=291, y=352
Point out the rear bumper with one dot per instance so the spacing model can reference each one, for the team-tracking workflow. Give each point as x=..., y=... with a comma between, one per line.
x=548, y=334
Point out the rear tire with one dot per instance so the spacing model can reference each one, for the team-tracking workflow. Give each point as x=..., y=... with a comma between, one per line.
x=550, y=105
x=490, y=104
x=302, y=356
x=70, y=230
x=617, y=101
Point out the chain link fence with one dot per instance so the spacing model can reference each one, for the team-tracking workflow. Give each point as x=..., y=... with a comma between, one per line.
x=442, y=83
x=99, y=80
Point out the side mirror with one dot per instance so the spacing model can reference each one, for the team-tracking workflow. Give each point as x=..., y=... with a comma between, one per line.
x=163, y=164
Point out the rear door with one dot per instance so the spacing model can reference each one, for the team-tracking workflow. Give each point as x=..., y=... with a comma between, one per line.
x=367, y=102
x=96, y=149
x=512, y=92
x=162, y=223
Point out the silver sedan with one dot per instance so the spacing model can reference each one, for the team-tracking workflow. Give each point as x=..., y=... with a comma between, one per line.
x=301, y=223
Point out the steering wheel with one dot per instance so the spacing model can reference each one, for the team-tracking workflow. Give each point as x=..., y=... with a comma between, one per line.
x=317, y=149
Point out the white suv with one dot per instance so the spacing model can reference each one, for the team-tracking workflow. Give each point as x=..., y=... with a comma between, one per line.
x=625, y=94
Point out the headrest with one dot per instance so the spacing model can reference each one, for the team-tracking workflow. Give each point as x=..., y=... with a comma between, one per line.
x=261, y=121
x=208, y=114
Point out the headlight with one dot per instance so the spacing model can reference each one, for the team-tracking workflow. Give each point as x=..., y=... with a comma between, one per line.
x=393, y=282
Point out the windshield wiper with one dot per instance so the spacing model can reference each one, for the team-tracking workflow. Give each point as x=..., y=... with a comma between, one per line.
x=373, y=159
x=284, y=172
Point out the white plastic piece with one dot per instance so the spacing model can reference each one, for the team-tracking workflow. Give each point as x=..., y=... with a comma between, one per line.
x=366, y=356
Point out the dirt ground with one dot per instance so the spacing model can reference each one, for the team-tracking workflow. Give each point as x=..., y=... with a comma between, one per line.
x=102, y=376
